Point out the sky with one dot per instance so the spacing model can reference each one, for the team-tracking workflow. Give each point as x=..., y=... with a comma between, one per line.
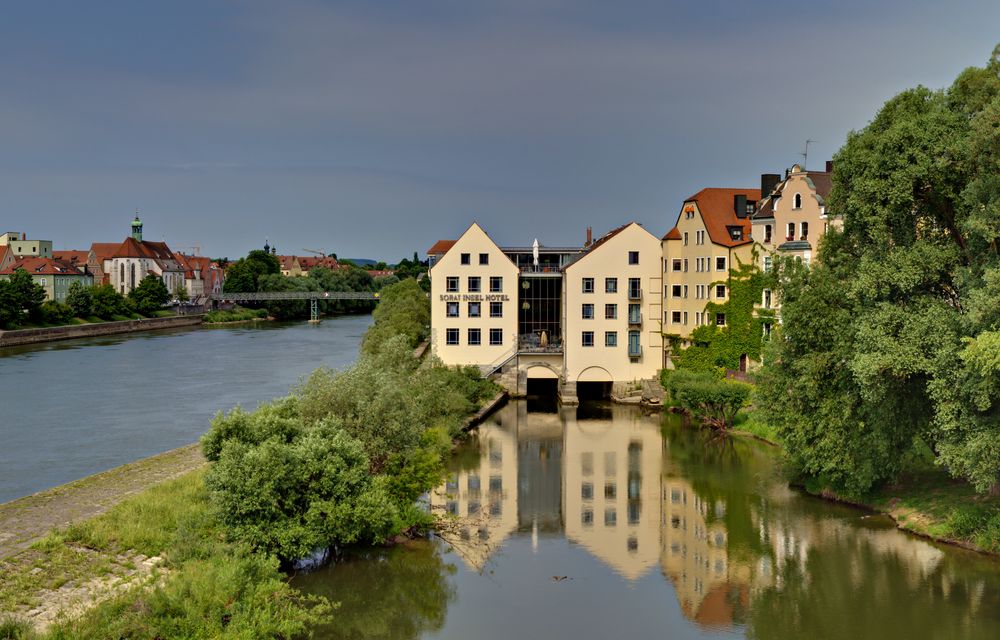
x=371, y=129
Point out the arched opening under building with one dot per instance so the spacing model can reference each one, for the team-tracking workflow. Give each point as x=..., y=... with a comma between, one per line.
x=593, y=390
x=542, y=388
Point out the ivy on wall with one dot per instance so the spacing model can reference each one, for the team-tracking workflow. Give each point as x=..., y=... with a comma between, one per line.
x=714, y=347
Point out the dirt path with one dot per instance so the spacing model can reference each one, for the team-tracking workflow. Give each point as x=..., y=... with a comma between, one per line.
x=28, y=519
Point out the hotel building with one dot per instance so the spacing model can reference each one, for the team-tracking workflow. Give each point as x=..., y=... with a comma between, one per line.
x=574, y=318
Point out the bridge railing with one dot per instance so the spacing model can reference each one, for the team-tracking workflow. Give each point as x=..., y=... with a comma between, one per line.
x=263, y=296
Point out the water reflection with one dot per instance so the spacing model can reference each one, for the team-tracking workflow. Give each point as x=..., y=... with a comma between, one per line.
x=603, y=520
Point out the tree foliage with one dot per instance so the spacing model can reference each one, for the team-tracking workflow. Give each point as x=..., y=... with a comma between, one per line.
x=244, y=274
x=79, y=299
x=108, y=303
x=884, y=338
x=20, y=299
x=150, y=295
x=713, y=400
x=404, y=309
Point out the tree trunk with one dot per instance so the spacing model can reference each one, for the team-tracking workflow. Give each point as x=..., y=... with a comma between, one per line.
x=995, y=489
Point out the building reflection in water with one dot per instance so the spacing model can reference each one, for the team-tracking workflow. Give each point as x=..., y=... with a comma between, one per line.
x=603, y=476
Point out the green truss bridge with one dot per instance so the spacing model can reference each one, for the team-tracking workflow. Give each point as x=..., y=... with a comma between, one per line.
x=313, y=297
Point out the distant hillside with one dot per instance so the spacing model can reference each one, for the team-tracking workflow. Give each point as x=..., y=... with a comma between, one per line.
x=361, y=262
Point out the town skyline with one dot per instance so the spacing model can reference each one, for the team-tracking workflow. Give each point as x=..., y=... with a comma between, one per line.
x=310, y=120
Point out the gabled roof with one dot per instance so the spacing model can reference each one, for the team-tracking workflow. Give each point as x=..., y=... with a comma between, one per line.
x=104, y=250
x=819, y=181
x=73, y=257
x=717, y=213
x=158, y=251
x=308, y=264
x=43, y=267
x=600, y=241
x=441, y=247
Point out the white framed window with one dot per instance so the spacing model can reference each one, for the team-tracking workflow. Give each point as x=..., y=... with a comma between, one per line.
x=797, y=201
x=611, y=285
x=610, y=311
x=496, y=309
x=766, y=299
x=475, y=309
x=475, y=337
x=720, y=291
x=496, y=336
x=475, y=284
x=587, y=311
x=767, y=264
x=804, y=228
x=587, y=338
x=685, y=238
x=451, y=336
x=610, y=338
x=496, y=284
x=791, y=232
x=588, y=285
x=676, y=290
x=720, y=263
x=675, y=317
x=451, y=284
x=451, y=310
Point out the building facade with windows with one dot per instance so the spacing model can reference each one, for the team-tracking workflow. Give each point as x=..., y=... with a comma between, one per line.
x=136, y=258
x=55, y=276
x=712, y=235
x=550, y=315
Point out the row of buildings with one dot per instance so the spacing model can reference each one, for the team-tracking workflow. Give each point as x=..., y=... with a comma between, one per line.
x=596, y=317
x=123, y=265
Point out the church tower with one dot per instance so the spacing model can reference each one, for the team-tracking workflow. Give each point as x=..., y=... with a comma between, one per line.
x=137, y=228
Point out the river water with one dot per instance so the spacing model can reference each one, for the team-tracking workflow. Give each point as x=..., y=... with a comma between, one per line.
x=605, y=522
x=70, y=409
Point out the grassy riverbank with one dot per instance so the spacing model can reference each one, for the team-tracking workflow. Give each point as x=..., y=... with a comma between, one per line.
x=238, y=314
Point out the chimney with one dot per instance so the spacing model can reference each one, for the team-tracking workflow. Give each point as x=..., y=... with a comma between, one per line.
x=590, y=237
x=740, y=205
x=829, y=166
x=768, y=181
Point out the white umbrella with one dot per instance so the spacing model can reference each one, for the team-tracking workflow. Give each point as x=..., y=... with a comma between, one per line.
x=534, y=251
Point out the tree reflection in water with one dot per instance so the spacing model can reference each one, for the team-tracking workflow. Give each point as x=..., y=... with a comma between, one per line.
x=399, y=592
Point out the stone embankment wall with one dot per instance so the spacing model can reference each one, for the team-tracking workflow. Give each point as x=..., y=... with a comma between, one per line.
x=31, y=336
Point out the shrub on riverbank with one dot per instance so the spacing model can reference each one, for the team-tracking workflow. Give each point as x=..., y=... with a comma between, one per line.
x=403, y=309
x=237, y=314
x=343, y=459
x=713, y=400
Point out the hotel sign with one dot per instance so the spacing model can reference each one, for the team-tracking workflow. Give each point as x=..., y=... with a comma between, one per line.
x=474, y=297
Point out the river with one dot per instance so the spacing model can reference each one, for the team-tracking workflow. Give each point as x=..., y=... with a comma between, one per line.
x=605, y=522
x=73, y=408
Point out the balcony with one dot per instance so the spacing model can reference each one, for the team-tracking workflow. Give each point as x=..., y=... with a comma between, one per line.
x=635, y=350
x=533, y=343
x=634, y=294
x=543, y=270
x=635, y=318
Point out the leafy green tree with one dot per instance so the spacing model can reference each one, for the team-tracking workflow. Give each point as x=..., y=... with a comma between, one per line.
x=150, y=295
x=403, y=309
x=79, y=299
x=55, y=313
x=881, y=339
x=244, y=274
x=27, y=297
x=181, y=294
x=11, y=310
x=714, y=401
x=107, y=302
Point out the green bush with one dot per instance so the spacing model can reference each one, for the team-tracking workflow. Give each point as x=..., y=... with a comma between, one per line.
x=79, y=299
x=716, y=402
x=237, y=314
x=108, y=303
x=403, y=309
x=149, y=296
x=57, y=313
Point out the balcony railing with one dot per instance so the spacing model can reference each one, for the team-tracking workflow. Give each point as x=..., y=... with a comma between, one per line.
x=541, y=268
x=635, y=294
x=533, y=343
x=635, y=318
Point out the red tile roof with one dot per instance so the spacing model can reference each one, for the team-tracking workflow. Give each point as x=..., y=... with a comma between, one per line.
x=441, y=247
x=308, y=264
x=71, y=256
x=42, y=267
x=717, y=212
x=104, y=250
x=132, y=248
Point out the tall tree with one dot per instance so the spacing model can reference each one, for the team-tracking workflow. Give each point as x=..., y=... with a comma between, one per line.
x=150, y=295
x=883, y=340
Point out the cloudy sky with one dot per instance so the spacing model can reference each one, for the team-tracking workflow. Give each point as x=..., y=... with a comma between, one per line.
x=371, y=129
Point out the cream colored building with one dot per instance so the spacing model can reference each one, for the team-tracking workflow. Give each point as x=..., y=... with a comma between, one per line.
x=611, y=489
x=712, y=236
x=612, y=308
x=567, y=316
x=474, y=302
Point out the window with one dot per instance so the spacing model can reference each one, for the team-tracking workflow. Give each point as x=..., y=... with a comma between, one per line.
x=452, y=310
x=611, y=285
x=610, y=338
x=610, y=490
x=797, y=201
x=685, y=238
x=484, y=258
x=685, y=291
x=675, y=317
x=736, y=233
x=496, y=284
x=466, y=258
x=588, y=311
x=677, y=264
x=451, y=284
x=588, y=285
x=496, y=336
x=475, y=337
x=587, y=490
x=804, y=227
x=475, y=309
x=610, y=311
x=587, y=517
x=676, y=290
x=496, y=309
x=588, y=338
x=634, y=290
x=767, y=264
x=766, y=299
x=791, y=232
x=633, y=257
x=610, y=517
x=685, y=317
x=451, y=336
x=720, y=263
x=475, y=284
x=720, y=319
x=720, y=291
x=767, y=330
x=767, y=234
x=634, y=313
x=685, y=265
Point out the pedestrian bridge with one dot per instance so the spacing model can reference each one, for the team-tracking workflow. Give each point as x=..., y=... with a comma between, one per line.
x=313, y=296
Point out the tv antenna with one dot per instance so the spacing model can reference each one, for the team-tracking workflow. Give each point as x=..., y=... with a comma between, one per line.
x=805, y=155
